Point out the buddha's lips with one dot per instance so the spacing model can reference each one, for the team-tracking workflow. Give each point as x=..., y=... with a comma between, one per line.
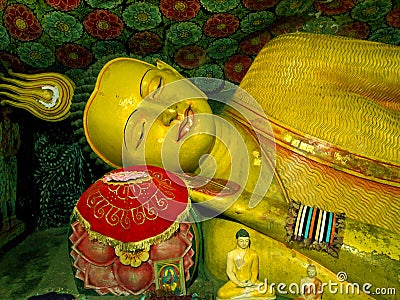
x=186, y=123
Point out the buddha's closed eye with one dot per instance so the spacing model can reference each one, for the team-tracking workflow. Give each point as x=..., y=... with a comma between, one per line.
x=152, y=88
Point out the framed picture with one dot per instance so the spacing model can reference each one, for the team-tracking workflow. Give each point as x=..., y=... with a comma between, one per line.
x=170, y=276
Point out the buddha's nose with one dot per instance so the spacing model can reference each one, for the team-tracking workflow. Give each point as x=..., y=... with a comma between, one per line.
x=168, y=116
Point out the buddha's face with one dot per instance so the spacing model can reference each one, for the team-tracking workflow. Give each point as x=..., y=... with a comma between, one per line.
x=243, y=242
x=172, y=127
x=311, y=272
x=135, y=117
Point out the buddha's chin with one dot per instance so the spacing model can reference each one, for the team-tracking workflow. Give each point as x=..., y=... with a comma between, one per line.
x=193, y=150
x=189, y=165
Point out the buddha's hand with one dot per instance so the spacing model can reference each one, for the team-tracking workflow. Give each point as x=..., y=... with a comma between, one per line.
x=245, y=283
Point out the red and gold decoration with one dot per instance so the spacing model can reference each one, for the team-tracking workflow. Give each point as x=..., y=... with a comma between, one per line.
x=126, y=221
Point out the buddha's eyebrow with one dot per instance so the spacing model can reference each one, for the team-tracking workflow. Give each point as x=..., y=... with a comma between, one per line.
x=126, y=124
x=141, y=82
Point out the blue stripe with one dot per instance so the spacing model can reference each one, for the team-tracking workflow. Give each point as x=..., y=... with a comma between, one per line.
x=308, y=222
x=328, y=233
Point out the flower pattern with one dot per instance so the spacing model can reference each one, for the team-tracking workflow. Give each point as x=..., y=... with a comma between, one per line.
x=357, y=30
x=259, y=4
x=12, y=62
x=254, y=42
x=142, y=16
x=205, y=78
x=2, y=4
x=106, y=4
x=106, y=48
x=222, y=48
x=292, y=7
x=190, y=57
x=184, y=33
x=75, y=74
x=393, y=18
x=286, y=25
x=27, y=2
x=103, y=24
x=21, y=23
x=74, y=56
x=386, y=35
x=180, y=10
x=334, y=7
x=165, y=28
x=219, y=5
x=325, y=25
x=369, y=10
x=64, y=5
x=221, y=25
x=4, y=38
x=144, y=43
x=133, y=258
x=257, y=21
x=36, y=55
x=236, y=67
x=209, y=71
x=62, y=27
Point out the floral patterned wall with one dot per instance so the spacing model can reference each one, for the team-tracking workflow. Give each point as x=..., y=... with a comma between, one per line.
x=200, y=38
x=217, y=38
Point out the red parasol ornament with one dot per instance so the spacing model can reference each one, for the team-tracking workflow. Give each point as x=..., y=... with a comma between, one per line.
x=134, y=207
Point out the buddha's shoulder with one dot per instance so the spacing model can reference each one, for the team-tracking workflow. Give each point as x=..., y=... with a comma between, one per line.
x=252, y=251
x=233, y=252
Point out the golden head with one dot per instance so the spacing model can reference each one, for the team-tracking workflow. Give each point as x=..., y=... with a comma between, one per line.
x=116, y=115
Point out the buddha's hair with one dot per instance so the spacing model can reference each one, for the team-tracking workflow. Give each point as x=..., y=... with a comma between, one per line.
x=311, y=266
x=242, y=233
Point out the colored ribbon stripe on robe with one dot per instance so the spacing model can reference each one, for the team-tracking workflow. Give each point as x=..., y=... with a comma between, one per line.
x=315, y=225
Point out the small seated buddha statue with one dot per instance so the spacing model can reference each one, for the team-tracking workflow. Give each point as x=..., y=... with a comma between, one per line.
x=242, y=270
x=311, y=287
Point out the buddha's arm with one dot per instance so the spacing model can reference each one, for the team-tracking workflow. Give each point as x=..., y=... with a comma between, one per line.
x=319, y=288
x=230, y=270
x=303, y=288
x=254, y=269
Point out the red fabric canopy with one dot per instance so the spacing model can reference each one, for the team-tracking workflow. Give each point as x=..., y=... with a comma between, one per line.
x=134, y=207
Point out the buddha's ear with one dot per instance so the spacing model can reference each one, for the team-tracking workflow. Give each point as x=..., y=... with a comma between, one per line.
x=163, y=66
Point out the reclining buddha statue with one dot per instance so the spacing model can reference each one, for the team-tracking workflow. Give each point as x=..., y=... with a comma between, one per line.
x=322, y=153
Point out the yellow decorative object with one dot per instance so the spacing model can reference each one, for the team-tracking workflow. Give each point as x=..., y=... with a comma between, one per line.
x=46, y=95
x=133, y=258
x=311, y=287
x=242, y=270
